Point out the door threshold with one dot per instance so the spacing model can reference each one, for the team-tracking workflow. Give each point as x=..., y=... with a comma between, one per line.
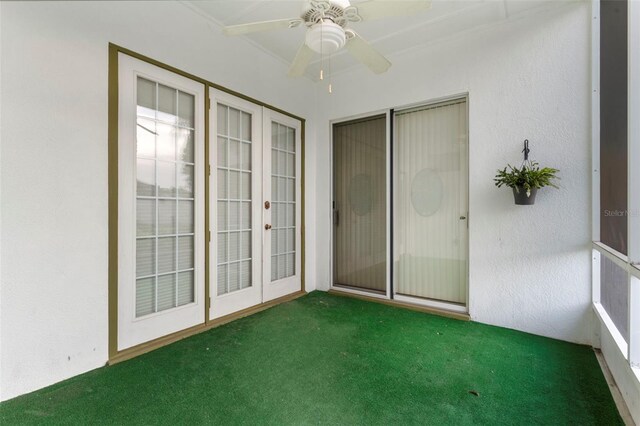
x=152, y=345
x=432, y=303
x=361, y=291
x=406, y=305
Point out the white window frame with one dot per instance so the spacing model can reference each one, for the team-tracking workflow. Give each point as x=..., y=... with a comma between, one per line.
x=633, y=195
x=631, y=262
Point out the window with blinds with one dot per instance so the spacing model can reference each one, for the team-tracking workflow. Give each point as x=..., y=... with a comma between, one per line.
x=234, y=170
x=164, y=198
x=283, y=195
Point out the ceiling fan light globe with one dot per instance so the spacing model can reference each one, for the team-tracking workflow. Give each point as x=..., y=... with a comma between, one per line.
x=342, y=3
x=325, y=37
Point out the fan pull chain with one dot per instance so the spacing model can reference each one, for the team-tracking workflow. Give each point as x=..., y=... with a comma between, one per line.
x=330, y=75
x=321, y=52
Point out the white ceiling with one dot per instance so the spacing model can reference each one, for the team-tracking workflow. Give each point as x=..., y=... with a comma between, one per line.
x=388, y=36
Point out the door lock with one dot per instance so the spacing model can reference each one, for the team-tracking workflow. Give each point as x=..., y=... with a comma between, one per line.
x=267, y=205
x=267, y=226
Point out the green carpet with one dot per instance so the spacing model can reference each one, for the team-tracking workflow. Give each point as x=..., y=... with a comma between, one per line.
x=325, y=359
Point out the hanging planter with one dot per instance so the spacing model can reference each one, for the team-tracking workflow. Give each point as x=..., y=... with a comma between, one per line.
x=526, y=180
x=524, y=198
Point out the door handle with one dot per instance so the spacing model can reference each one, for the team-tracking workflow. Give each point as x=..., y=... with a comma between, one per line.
x=463, y=217
x=267, y=205
x=267, y=226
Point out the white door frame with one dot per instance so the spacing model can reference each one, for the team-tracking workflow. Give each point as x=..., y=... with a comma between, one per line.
x=131, y=330
x=241, y=299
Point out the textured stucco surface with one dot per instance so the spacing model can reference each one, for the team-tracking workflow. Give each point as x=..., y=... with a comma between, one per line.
x=526, y=78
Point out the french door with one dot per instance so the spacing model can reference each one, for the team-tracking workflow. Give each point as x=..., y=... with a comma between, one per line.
x=160, y=202
x=235, y=152
x=254, y=210
x=254, y=203
x=282, y=212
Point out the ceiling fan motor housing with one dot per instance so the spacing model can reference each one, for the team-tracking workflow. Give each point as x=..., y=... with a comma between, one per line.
x=325, y=37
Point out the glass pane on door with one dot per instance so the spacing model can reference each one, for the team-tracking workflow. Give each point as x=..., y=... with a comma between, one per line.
x=234, y=199
x=164, y=198
x=360, y=206
x=430, y=202
x=283, y=195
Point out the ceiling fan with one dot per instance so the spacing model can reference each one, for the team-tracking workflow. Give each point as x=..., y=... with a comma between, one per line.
x=327, y=32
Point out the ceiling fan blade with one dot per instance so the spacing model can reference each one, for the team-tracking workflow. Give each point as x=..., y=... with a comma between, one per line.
x=376, y=9
x=255, y=27
x=301, y=61
x=366, y=54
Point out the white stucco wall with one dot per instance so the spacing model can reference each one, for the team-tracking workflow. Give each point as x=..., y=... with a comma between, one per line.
x=526, y=78
x=54, y=164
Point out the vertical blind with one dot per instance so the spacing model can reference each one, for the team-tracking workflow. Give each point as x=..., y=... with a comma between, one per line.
x=164, y=197
x=360, y=212
x=430, y=202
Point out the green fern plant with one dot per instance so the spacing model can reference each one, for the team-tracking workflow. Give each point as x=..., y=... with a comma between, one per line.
x=529, y=176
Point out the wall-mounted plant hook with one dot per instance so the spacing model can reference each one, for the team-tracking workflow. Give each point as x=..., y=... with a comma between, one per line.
x=526, y=150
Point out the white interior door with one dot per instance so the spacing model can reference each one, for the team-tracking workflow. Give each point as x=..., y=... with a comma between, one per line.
x=160, y=202
x=236, y=150
x=282, y=207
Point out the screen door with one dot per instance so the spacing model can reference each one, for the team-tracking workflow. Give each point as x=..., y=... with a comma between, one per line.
x=359, y=204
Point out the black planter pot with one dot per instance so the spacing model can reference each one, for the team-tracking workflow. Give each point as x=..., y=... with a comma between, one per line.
x=520, y=195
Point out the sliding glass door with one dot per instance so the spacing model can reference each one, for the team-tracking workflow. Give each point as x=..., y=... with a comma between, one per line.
x=430, y=203
x=360, y=204
x=426, y=181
